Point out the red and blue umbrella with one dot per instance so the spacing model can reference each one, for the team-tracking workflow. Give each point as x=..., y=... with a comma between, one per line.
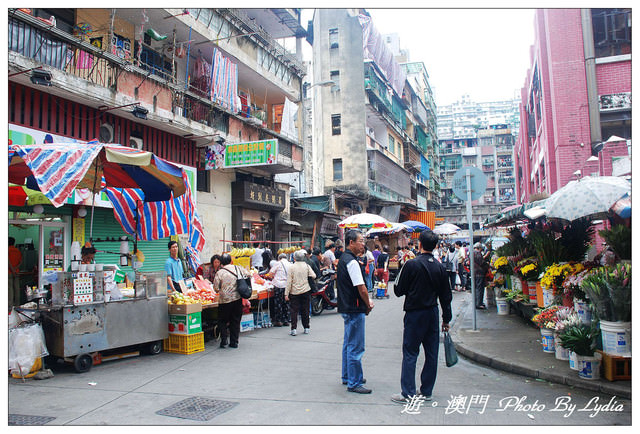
x=416, y=225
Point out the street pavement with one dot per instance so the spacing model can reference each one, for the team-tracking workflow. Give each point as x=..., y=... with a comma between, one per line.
x=277, y=379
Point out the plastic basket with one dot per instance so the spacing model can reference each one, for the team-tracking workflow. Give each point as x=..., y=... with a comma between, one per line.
x=184, y=344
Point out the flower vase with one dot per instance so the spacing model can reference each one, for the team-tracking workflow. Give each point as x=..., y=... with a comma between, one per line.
x=548, y=340
x=589, y=366
x=540, y=300
x=561, y=352
x=531, y=286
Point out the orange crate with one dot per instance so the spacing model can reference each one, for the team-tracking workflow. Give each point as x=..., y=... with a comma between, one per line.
x=184, y=344
x=616, y=367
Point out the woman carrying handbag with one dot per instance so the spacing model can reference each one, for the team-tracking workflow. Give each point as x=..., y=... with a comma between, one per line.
x=229, y=302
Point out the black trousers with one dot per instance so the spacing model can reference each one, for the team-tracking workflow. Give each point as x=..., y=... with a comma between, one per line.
x=300, y=303
x=229, y=316
x=479, y=281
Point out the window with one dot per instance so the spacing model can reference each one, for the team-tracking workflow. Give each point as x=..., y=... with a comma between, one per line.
x=611, y=31
x=392, y=144
x=335, y=77
x=335, y=125
x=202, y=181
x=333, y=38
x=337, y=169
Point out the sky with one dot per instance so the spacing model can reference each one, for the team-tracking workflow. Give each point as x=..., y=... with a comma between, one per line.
x=484, y=53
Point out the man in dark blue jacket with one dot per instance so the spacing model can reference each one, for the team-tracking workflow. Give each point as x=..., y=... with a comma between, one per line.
x=423, y=281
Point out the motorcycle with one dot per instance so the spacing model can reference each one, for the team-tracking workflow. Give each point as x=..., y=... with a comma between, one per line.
x=319, y=298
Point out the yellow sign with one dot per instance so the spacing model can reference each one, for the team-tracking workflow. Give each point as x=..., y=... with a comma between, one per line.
x=78, y=230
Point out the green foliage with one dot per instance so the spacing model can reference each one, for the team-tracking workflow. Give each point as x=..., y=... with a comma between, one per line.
x=619, y=239
x=547, y=249
x=581, y=339
x=609, y=289
x=576, y=238
x=517, y=245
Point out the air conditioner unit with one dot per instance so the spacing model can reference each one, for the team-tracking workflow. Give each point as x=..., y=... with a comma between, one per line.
x=105, y=135
x=135, y=142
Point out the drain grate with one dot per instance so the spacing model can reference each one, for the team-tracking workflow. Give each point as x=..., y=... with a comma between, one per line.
x=197, y=408
x=24, y=419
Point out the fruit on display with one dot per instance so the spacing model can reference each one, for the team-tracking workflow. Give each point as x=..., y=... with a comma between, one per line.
x=180, y=298
x=237, y=252
x=202, y=295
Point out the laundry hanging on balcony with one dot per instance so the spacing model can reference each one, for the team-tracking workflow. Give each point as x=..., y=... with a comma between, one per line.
x=289, y=114
x=224, y=79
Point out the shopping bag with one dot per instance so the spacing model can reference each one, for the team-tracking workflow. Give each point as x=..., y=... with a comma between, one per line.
x=458, y=281
x=450, y=354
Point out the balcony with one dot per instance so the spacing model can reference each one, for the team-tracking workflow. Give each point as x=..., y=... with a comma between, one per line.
x=94, y=76
x=506, y=180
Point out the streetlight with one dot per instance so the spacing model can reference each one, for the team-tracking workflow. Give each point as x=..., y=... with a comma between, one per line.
x=325, y=83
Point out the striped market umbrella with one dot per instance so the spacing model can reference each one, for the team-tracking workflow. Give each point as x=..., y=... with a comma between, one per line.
x=364, y=221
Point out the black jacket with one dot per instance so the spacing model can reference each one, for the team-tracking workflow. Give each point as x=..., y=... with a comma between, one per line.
x=349, y=300
x=424, y=281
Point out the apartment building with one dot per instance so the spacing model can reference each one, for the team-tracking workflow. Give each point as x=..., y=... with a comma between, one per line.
x=181, y=83
x=374, y=132
x=576, y=99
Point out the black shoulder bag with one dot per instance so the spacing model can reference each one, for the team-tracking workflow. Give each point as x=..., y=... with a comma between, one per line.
x=243, y=286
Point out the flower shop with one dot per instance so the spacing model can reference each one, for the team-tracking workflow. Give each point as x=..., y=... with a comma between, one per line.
x=572, y=280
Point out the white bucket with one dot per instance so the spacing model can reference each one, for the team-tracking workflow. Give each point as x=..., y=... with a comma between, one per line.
x=517, y=283
x=547, y=297
x=561, y=352
x=503, y=306
x=548, y=344
x=583, y=311
x=616, y=337
x=589, y=367
x=573, y=360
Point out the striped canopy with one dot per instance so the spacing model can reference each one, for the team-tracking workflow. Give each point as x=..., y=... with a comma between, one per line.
x=56, y=169
x=364, y=221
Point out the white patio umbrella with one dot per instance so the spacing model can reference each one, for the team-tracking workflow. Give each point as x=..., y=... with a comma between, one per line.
x=364, y=221
x=446, y=229
x=588, y=196
x=394, y=229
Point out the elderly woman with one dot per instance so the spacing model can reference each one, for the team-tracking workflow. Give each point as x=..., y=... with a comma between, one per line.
x=298, y=291
x=279, y=306
x=229, y=301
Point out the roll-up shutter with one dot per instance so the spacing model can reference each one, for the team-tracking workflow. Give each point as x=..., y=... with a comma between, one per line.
x=105, y=226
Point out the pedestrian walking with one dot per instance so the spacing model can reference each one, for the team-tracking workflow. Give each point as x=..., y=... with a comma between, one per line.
x=369, y=269
x=479, y=271
x=298, y=291
x=354, y=304
x=423, y=282
x=461, y=271
x=451, y=264
x=225, y=283
x=382, y=266
x=279, y=306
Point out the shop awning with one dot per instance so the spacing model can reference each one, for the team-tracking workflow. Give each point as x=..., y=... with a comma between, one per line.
x=284, y=222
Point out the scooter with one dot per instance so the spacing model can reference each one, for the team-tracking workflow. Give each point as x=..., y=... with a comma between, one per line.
x=319, y=298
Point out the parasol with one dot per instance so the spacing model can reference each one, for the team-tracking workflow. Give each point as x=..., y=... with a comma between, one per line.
x=446, y=229
x=590, y=196
x=394, y=229
x=364, y=221
x=416, y=226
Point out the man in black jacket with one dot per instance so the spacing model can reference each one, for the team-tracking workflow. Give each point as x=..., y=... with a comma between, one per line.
x=423, y=281
x=353, y=304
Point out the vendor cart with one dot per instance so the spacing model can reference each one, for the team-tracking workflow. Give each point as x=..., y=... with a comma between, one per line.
x=84, y=320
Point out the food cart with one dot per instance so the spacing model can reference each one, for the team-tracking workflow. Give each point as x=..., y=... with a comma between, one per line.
x=86, y=319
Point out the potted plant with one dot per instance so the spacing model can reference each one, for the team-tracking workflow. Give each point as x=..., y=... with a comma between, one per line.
x=530, y=274
x=619, y=239
x=581, y=340
x=609, y=289
x=545, y=320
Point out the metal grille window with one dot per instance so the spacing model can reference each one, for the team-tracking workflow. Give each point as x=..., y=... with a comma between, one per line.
x=611, y=31
x=392, y=144
x=335, y=77
x=335, y=125
x=337, y=169
x=333, y=38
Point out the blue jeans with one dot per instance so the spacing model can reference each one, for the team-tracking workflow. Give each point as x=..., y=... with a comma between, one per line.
x=421, y=327
x=353, y=349
x=368, y=279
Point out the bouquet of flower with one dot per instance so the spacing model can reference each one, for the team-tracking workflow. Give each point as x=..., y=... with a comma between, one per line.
x=555, y=275
x=609, y=289
x=520, y=264
x=572, y=285
x=514, y=294
x=565, y=317
x=529, y=272
x=545, y=318
x=502, y=265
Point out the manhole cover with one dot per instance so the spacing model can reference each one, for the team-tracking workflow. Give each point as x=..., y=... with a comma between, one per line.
x=23, y=419
x=197, y=408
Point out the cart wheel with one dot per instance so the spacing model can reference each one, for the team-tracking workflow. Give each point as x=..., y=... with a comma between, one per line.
x=154, y=348
x=83, y=363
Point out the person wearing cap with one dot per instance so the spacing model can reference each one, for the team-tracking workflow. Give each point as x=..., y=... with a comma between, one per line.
x=88, y=254
x=479, y=272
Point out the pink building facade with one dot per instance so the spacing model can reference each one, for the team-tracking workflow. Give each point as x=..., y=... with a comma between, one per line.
x=576, y=95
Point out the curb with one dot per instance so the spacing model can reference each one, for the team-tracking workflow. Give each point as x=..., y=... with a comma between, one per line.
x=508, y=366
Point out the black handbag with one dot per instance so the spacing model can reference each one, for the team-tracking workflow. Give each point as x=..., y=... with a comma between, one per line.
x=243, y=286
x=450, y=354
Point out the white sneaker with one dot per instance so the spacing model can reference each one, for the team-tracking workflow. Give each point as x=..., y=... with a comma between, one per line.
x=306, y=331
x=293, y=332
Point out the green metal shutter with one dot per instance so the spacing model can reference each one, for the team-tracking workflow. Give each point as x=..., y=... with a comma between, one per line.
x=106, y=226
